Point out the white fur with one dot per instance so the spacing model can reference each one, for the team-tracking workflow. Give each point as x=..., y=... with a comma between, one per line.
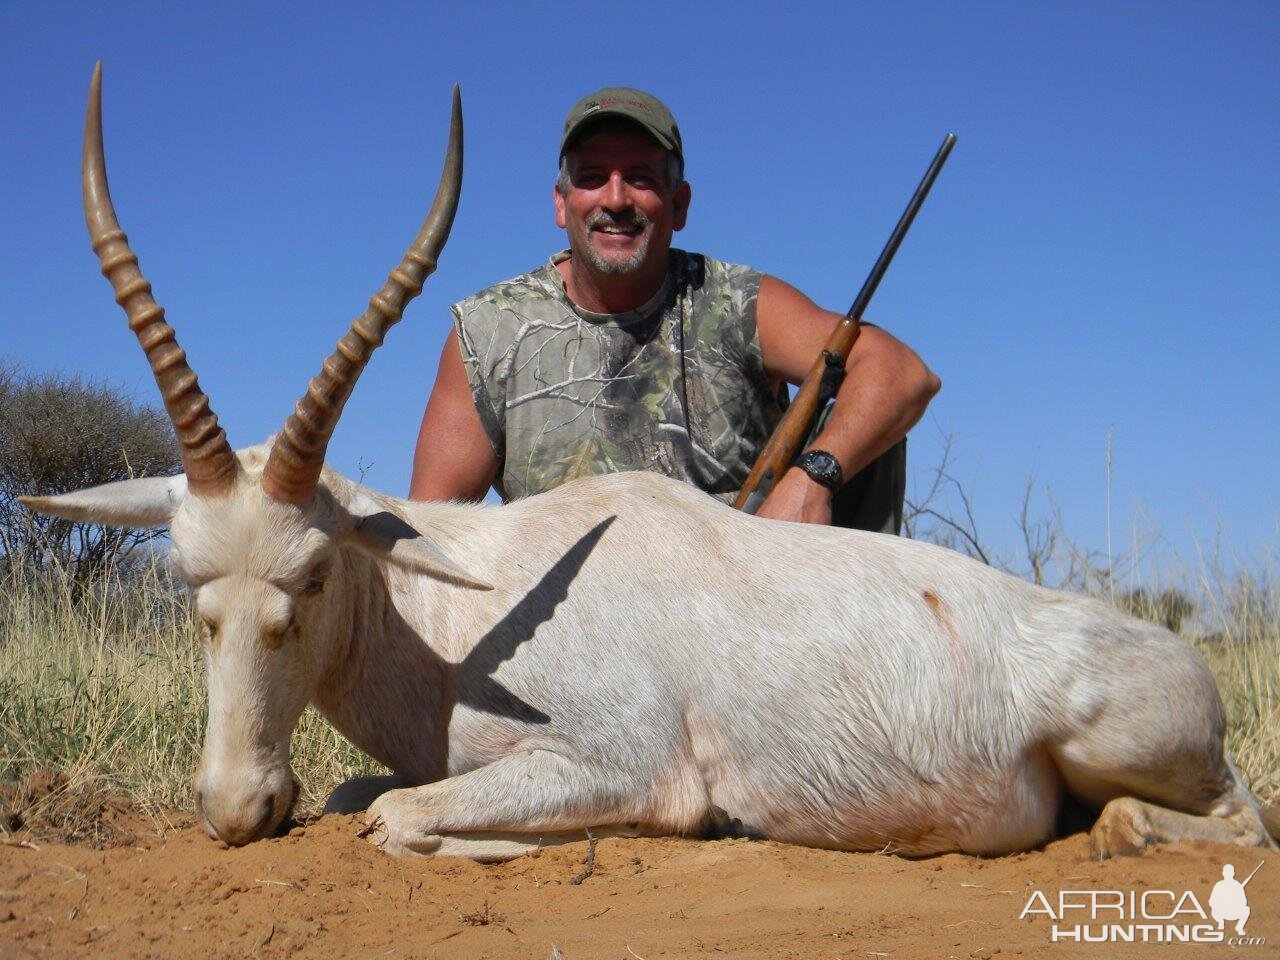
x=650, y=657
x=145, y=502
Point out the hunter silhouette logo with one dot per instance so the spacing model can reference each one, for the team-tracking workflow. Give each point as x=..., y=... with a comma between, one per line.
x=1148, y=916
x=1229, y=901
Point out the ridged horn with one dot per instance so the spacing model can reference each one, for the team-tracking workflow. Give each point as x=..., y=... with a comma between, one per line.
x=207, y=458
x=293, y=468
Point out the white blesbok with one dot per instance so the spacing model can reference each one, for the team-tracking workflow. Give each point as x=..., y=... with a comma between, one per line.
x=627, y=653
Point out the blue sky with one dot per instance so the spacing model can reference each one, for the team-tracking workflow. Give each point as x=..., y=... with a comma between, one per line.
x=1099, y=257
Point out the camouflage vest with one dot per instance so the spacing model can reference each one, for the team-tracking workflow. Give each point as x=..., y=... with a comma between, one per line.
x=676, y=386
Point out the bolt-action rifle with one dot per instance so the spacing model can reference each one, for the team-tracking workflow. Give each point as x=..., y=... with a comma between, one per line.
x=823, y=380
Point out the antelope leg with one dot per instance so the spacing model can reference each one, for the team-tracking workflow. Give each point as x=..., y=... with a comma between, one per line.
x=498, y=811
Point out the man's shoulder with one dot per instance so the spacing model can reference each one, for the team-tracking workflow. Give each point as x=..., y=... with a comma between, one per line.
x=712, y=263
x=700, y=271
x=535, y=284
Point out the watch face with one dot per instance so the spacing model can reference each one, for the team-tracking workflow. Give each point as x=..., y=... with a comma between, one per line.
x=822, y=467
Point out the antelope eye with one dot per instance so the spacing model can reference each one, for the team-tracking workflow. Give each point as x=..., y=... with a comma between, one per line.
x=276, y=637
x=315, y=583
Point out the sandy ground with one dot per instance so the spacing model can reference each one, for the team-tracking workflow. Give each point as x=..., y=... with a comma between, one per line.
x=323, y=892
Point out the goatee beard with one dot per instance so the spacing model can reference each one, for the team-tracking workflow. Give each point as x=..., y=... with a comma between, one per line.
x=617, y=267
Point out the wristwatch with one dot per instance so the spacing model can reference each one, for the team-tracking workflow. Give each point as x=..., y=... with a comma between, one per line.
x=823, y=468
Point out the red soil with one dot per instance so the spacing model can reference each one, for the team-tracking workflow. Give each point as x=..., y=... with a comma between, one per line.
x=323, y=892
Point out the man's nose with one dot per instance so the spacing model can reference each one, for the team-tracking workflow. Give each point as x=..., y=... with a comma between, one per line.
x=616, y=199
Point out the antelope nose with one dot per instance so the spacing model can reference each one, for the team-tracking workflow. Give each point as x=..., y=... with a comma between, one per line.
x=239, y=823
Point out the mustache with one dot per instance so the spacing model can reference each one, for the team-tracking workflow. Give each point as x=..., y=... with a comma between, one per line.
x=625, y=218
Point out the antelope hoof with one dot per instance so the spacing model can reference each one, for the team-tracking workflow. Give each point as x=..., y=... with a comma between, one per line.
x=397, y=824
x=1122, y=830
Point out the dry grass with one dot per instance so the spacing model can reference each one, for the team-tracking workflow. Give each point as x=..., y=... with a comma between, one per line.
x=1240, y=638
x=104, y=687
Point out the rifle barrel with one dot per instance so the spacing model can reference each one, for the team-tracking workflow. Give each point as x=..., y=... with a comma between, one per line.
x=900, y=231
x=1250, y=876
x=783, y=445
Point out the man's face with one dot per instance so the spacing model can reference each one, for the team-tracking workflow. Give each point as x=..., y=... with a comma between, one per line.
x=620, y=212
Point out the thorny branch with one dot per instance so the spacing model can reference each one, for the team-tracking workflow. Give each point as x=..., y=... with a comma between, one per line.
x=944, y=514
x=959, y=531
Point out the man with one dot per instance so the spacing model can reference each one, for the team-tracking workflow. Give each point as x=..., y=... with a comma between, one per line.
x=624, y=353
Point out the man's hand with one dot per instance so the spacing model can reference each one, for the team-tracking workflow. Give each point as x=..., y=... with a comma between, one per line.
x=798, y=497
x=884, y=393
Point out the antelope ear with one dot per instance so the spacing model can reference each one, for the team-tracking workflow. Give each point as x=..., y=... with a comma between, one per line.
x=142, y=502
x=391, y=538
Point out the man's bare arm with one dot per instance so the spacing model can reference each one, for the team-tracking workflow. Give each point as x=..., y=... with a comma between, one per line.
x=884, y=394
x=454, y=459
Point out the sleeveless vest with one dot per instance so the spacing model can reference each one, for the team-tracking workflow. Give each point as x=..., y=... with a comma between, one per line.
x=677, y=386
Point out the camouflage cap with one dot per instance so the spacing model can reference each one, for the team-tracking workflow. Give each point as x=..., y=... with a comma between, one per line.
x=635, y=105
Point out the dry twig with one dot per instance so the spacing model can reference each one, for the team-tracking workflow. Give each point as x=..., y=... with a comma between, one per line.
x=589, y=866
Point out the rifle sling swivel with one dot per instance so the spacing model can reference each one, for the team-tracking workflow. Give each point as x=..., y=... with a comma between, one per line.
x=832, y=377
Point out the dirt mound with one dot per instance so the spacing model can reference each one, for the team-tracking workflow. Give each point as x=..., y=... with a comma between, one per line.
x=48, y=805
x=323, y=892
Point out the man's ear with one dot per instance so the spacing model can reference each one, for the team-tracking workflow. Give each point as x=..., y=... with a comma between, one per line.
x=390, y=538
x=680, y=201
x=558, y=197
x=144, y=502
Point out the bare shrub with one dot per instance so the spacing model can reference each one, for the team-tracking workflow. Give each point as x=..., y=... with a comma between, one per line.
x=1252, y=607
x=59, y=434
x=942, y=512
x=1169, y=607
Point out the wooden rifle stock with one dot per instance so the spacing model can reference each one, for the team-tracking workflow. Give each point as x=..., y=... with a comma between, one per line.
x=824, y=377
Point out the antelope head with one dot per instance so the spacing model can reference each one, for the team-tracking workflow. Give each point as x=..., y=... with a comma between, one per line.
x=258, y=537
